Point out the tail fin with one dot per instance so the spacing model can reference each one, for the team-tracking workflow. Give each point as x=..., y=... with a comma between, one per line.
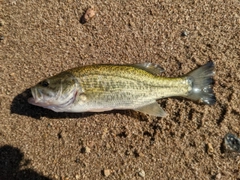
x=202, y=80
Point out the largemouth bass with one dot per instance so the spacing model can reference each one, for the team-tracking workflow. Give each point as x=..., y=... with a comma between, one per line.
x=97, y=88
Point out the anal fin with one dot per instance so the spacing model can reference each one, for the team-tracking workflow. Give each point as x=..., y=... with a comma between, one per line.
x=152, y=109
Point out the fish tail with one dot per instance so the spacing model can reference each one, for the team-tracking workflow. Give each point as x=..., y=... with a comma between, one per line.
x=201, y=80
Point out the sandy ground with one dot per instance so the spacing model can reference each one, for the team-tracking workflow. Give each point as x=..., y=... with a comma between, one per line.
x=41, y=38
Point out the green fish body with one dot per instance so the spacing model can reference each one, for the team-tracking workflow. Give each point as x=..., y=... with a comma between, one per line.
x=97, y=88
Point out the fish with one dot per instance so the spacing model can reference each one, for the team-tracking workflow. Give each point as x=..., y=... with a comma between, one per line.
x=104, y=87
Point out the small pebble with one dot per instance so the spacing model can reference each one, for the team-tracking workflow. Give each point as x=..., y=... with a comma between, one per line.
x=77, y=176
x=1, y=22
x=210, y=149
x=77, y=160
x=127, y=152
x=85, y=150
x=1, y=38
x=12, y=74
x=218, y=176
x=89, y=14
x=88, y=150
x=184, y=33
x=232, y=143
x=106, y=172
x=141, y=173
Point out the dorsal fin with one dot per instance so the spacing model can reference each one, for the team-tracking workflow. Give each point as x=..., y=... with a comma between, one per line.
x=150, y=67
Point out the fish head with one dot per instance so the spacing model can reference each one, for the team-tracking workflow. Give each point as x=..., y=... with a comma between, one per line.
x=56, y=93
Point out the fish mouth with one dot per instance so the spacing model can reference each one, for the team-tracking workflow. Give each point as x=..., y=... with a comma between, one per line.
x=55, y=103
x=36, y=102
x=37, y=99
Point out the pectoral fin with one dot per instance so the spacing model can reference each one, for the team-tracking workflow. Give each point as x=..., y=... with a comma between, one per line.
x=152, y=109
x=150, y=67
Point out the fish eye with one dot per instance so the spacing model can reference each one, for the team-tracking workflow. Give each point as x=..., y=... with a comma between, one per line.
x=44, y=83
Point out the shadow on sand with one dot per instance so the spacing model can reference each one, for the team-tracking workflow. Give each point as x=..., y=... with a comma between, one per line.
x=11, y=161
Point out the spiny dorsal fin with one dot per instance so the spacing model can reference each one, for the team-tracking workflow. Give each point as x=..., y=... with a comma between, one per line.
x=150, y=67
x=152, y=109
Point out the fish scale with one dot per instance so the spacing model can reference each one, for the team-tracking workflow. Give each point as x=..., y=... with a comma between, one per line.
x=99, y=83
x=160, y=87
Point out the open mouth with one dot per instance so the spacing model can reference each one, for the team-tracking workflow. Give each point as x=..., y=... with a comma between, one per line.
x=37, y=99
x=57, y=104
